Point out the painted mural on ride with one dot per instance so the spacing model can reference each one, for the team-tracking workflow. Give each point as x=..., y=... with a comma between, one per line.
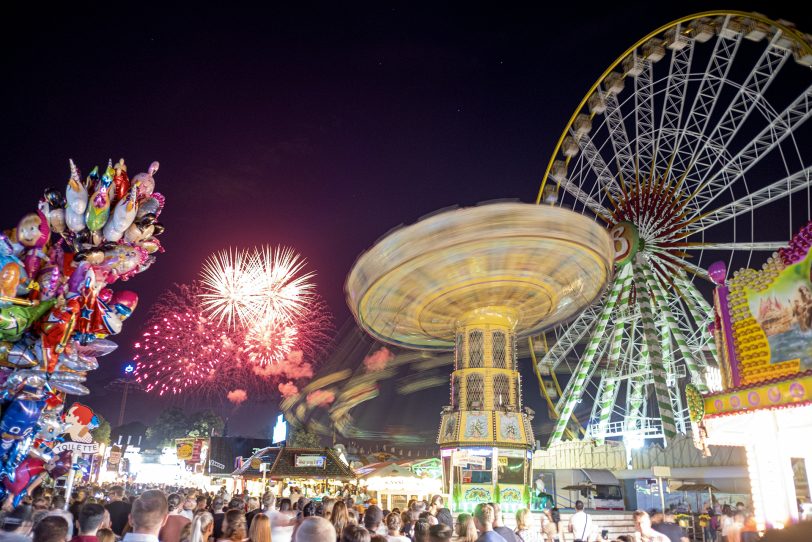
x=57, y=308
x=763, y=323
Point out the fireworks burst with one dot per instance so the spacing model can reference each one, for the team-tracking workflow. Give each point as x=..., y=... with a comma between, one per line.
x=183, y=351
x=263, y=285
x=270, y=342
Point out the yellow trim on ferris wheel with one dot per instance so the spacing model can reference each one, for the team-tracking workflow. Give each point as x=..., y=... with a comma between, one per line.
x=790, y=32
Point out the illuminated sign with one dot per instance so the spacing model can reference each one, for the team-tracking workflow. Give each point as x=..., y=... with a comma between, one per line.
x=81, y=447
x=280, y=430
x=318, y=461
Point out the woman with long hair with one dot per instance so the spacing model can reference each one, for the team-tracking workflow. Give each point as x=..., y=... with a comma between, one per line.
x=234, y=527
x=260, y=529
x=340, y=518
x=466, y=528
x=548, y=527
x=202, y=527
x=524, y=527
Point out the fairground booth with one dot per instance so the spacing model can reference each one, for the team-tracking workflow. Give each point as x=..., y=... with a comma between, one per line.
x=315, y=471
x=764, y=334
x=393, y=484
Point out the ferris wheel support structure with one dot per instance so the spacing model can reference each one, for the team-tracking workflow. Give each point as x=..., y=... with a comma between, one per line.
x=678, y=148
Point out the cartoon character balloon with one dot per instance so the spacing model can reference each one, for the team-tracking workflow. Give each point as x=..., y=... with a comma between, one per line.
x=58, y=305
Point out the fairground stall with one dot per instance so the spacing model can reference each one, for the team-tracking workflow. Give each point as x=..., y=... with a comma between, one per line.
x=314, y=471
x=764, y=331
x=393, y=484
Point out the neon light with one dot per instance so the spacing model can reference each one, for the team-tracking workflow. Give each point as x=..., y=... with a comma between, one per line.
x=280, y=430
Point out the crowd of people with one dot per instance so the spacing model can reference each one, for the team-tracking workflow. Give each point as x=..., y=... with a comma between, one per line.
x=185, y=515
x=176, y=515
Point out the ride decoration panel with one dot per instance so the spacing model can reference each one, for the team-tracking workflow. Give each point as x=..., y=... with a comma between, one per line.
x=764, y=318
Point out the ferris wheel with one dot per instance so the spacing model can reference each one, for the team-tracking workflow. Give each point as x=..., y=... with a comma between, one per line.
x=691, y=148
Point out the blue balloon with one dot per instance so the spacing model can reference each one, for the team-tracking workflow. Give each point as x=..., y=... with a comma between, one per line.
x=16, y=429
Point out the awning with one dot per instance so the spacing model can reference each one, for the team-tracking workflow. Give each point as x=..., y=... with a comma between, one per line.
x=600, y=476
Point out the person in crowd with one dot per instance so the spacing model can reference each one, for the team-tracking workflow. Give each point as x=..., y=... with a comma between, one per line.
x=314, y=529
x=189, y=506
x=267, y=503
x=466, y=528
x=581, y=524
x=373, y=519
x=236, y=504
x=668, y=526
x=406, y=524
x=499, y=526
x=105, y=535
x=17, y=524
x=444, y=517
x=327, y=507
x=427, y=517
x=440, y=533
x=549, y=530
x=725, y=521
x=643, y=531
x=525, y=529
x=202, y=527
x=354, y=533
x=234, y=527
x=253, y=510
x=202, y=504
x=149, y=513
x=79, y=499
x=393, y=525
x=309, y=509
x=91, y=517
x=176, y=521
x=58, y=509
x=218, y=514
x=483, y=518
x=260, y=530
x=734, y=532
x=340, y=518
x=39, y=503
x=377, y=538
x=119, y=509
x=282, y=521
x=436, y=504
x=712, y=525
x=51, y=529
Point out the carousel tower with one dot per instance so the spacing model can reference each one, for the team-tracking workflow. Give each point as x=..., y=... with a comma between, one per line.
x=472, y=280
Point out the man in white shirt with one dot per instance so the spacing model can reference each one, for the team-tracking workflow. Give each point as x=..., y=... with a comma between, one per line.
x=282, y=523
x=148, y=515
x=581, y=524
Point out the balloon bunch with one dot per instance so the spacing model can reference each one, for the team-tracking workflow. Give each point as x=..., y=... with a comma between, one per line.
x=56, y=307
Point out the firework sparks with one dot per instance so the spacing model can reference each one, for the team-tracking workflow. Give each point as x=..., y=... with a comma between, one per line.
x=263, y=285
x=285, y=290
x=181, y=349
x=185, y=352
x=270, y=342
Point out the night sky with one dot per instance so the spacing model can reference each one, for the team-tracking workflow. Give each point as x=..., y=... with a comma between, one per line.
x=318, y=128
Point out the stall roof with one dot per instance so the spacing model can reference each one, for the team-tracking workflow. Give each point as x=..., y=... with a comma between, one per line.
x=391, y=469
x=283, y=464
